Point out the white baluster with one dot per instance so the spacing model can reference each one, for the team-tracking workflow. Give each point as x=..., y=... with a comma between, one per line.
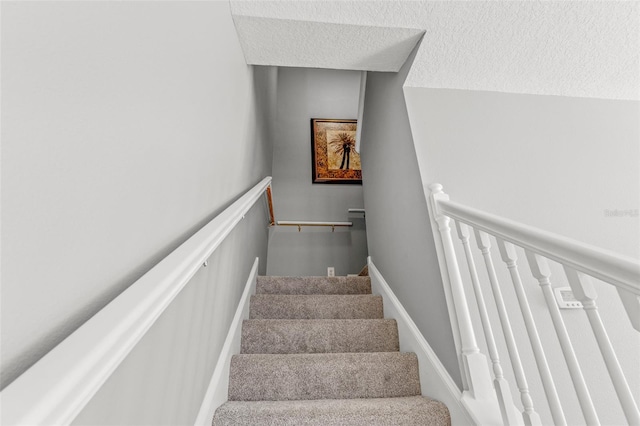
x=474, y=363
x=510, y=415
x=584, y=291
x=540, y=270
x=510, y=258
x=530, y=416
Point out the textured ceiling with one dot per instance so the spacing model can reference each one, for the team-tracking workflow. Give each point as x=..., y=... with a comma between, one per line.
x=293, y=43
x=567, y=48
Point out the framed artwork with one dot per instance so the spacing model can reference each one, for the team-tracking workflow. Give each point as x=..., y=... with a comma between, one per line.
x=333, y=151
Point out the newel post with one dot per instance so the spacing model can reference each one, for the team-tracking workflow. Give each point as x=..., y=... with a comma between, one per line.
x=474, y=364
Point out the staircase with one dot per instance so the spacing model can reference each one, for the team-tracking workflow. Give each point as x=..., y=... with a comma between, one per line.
x=318, y=351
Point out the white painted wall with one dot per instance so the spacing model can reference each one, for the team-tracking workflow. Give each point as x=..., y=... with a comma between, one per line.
x=398, y=229
x=304, y=94
x=125, y=127
x=556, y=163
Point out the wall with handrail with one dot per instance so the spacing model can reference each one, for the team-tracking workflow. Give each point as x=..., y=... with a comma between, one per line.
x=141, y=359
x=164, y=379
x=304, y=94
x=117, y=145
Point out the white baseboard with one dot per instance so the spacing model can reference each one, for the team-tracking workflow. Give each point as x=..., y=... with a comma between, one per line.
x=218, y=389
x=434, y=378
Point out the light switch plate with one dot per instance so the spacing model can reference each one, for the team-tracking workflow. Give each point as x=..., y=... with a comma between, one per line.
x=566, y=299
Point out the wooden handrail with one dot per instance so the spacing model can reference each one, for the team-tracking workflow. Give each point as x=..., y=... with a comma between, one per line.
x=272, y=218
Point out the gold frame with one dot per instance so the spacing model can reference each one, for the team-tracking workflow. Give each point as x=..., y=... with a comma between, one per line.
x=320, y=154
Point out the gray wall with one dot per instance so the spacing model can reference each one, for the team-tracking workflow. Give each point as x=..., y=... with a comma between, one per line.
x=125, y=128
x=398, y=228
x=304, y=94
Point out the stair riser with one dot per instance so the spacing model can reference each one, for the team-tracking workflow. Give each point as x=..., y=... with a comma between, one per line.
x=316, y=307
x=319, y=336
x=323, y=376
x=313, y=285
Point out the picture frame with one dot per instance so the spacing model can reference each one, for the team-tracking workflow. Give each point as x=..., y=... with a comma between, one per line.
x=333, y=154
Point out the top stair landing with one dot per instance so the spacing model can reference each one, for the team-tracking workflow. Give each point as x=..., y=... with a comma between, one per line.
x=313, y=285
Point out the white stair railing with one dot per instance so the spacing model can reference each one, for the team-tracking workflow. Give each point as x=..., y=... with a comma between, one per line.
x=474, y=380
x=509, y=256
x=503, y=390
x=585, y=292
x=529, y=414
x=580, y=262
x=542, y=272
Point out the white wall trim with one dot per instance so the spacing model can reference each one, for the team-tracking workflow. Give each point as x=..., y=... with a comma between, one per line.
x=218, y=390
x=58, y=386
x=434, y=378
x=363, y=89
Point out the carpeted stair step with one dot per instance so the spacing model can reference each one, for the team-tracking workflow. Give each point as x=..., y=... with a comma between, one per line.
x=268, y=377
x=407, y=411
x=280, y=306
x=313, y=285
x=281, y=336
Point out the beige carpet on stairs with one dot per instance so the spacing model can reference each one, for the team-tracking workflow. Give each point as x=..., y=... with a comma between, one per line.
x=317, y=351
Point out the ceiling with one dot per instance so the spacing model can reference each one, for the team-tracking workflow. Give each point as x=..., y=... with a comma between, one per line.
x=295, y=43
x=565, y=48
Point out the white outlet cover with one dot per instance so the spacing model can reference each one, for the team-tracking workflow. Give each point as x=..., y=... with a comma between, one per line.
x=331, y=271
x=566, y=299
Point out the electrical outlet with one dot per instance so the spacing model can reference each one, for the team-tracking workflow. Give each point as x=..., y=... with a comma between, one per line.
x=566, y=299
x=331, y=271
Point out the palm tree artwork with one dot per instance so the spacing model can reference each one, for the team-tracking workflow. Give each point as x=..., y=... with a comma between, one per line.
x=334, y=156
x=343, y=143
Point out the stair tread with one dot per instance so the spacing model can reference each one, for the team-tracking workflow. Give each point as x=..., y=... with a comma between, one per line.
x=318, y=351
x=282, y=336
x=272, y=377
x=409, y=411
x=313, y=285
x=331, y=306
